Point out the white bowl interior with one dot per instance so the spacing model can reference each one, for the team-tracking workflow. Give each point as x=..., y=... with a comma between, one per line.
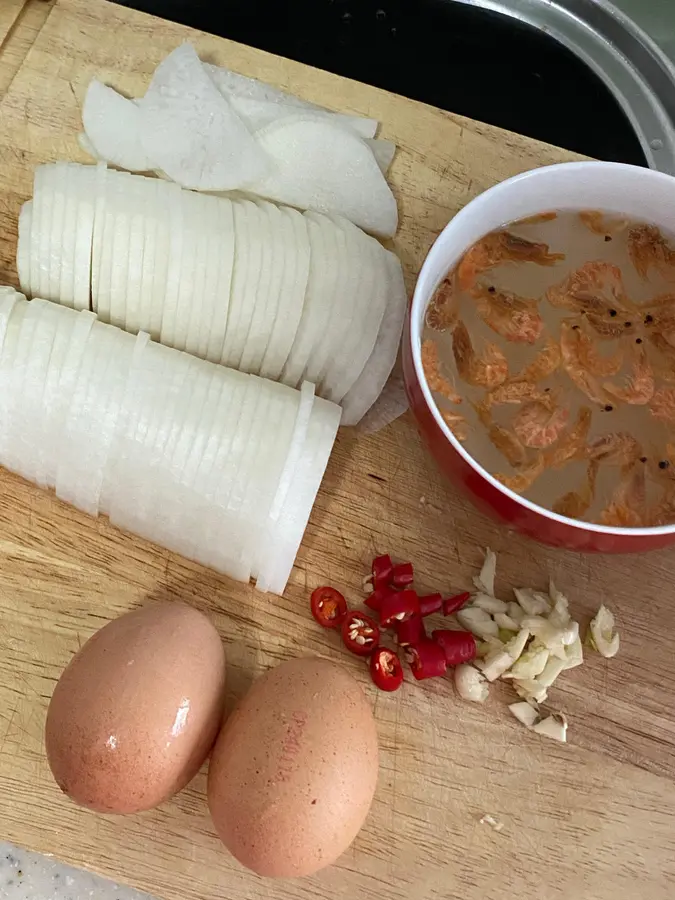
x=611, y=187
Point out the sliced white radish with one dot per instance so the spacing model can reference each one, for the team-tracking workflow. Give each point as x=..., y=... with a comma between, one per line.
x=97, y=237
x=66, y=235
x=88, y=185
x=389, y=406
x=167, y=307
x=372, y=380
x=23, y=250
x=291, y=294
x=314, y=314
x=140, y=197
x=370, y=297
x=114, y=126
x=267, y=292
x=192, y=216
x=36, y=261
x=245, y=278
x=323, y=167
x=206, y=225
x=191, y=132
x=10, y=362
x=64, y=212
x=383, y=151
x=218, y=286
x=168, y=212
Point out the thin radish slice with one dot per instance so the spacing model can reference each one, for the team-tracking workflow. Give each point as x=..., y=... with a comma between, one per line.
x=314, y=309
x=114, y=126
x=191, y=132
x=339, y=300
x=51, y=175
x=167, y=307
x=8, y=379
x=52, y=397
x=219, y=284
x=36, y=230
x=389, y=406
x=140, y=197
x=204, y=266
x=63, y=217
x=267, y=293
x=371, y=300
x=257, y=102
x=102, y=305
x=334, y=172
x=97, y=237
x=168, y=212
x=309, y=472
x=23, y=250
x=264, y=563
x=151, y=224
x=372, y=380
x=247, y=257
x=284, y=299
x=192, y=220
x=65, y=236
x=384, y=153
x=89, y=183
x=292, y=298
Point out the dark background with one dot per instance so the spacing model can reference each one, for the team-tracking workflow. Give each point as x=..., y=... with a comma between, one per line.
x=466, y=60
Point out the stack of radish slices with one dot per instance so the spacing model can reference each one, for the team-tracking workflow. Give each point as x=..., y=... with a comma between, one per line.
x=217, y=465
x=264, y=289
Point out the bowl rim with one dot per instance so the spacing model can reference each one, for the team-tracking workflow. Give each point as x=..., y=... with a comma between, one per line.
x=418, y=308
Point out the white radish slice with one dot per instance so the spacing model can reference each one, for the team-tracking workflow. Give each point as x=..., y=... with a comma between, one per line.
x=267, y=293
x=107, y=246
x=9, y=362
x=45, y=273
x=218, y=287
x=247, y=257
x=52, y=397
x=97, y=237
x=371, y=300
x=340, y=300
x=121, y=201
x=36, y=260
x=372, y=380
x=383, y=151
x=309, y=472
x=191, y=132
x=263, y=565
x=291, y=298
x=269, y=457
x=151, y=223
x=207, y=225
x=314, y=311
x=65, y=236
x=242, y=91
x=23, y=250
x=87, y=147
x=140, y=197
x=89, y=185
x=114, y=126
x=60, y=204
x=257, y=114
x=192, y=216
x=389, y=406
x=326, y=168
x=168, y=212
x=167, y=306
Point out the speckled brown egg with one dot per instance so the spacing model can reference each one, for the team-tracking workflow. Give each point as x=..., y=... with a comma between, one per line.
x=137, y=710
x=294, y=770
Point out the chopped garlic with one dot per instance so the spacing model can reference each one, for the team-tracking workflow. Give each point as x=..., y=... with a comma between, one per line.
x=515, y=611
x=530, y=689
x=516, y=646
x=531, y=663
x=496, y=664
x=602, y=636
x=487, y=646
x=525, y=713
x=551, y=671
x=575, y=654
x=471, y=684
x=478, y=622
x=485, y=582
x=505, y=622
x=490, y=604
x=553, y=726
x=532, y=602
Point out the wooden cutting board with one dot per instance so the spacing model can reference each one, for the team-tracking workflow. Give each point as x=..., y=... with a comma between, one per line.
x=593, y=820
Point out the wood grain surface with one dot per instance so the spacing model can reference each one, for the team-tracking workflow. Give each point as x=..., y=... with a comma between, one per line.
x=592, y=820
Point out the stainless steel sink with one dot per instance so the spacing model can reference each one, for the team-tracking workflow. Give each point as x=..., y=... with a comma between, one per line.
x=629, y=44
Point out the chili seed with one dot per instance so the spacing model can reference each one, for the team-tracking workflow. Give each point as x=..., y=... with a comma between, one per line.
x=360, y=640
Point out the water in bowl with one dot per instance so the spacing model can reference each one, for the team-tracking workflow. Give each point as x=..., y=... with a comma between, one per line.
x=550, y=351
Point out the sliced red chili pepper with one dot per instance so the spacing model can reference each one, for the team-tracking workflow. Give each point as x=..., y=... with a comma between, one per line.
x=427, y=660
x=329, y=607
x=375, y=598
x=402, y=575
x=431, y=604
x=382, y=568
x=452, y=604
x=411, y=631
x=458, y=646
x=386, y=669
x=360, y=633
x=398, y=606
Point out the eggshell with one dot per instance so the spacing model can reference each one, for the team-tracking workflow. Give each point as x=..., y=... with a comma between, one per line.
x=137, y=710
x=294, y=770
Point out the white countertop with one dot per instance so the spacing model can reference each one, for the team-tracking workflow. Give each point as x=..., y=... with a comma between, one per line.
x=30, y=876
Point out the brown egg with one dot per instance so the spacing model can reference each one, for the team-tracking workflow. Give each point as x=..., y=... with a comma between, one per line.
x=137, y=710
x=294, y=770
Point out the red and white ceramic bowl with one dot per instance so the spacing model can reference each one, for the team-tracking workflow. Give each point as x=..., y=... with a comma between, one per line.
x=611, y=187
